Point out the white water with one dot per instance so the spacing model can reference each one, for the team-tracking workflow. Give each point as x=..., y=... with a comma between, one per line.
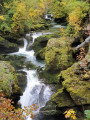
x=35, y=92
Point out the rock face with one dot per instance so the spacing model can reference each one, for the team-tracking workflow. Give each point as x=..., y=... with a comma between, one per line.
x=73, y=83
x=6, y=46
x=76, y=82
x=58, y=54
x=8, y=81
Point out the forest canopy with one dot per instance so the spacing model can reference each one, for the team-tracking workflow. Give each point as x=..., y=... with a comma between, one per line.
x=17, y=15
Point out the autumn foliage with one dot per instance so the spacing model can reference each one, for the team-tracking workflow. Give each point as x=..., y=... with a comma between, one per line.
x=8, y=111
x=70, y=114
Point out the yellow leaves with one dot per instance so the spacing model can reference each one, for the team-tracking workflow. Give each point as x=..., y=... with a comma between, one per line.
x=19, y=17
x=70, y=114
x=21, y=7
x=32, y=13
x=41, y=7
x=75, y=16
x=75, y=19
x=63, y=3
x=2, y=18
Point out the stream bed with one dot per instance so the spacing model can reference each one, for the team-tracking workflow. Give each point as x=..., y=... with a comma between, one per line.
x=36, y=92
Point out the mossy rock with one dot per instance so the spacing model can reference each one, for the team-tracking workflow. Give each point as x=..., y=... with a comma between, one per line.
x=29, y=65
x=41, y=54
x=58, y=54
x=22, y=79
x=61, y=98
x=48, y=77
x=77, y=82
x=40, y=44
x=7, y=47
x=38, y=27
x=8, y=81
x=16, y=61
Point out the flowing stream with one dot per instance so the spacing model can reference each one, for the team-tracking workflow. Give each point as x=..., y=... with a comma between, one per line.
x=36, y=92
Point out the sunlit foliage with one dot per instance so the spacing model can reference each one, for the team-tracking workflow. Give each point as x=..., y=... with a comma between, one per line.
x=74, y=11
x=70, y=114
x=20, y=14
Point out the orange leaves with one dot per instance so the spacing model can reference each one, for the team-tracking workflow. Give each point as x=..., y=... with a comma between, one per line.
x=8, y=111
x=82, y=54
x=70, y=114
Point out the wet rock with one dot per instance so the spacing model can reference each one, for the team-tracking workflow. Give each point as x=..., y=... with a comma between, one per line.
x=29, y=65
x=22, y=79
x=41, y=54
x=7, y=47
x=29, y=38
x=16, y=61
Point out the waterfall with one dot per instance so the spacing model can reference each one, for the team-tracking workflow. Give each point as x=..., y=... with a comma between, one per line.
x=35, y=92
x=21, y=50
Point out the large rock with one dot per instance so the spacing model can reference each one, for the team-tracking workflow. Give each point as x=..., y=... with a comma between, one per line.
x=16, y=61
x=7, y=47
x=76, y=81
x=62, y=98
x=59, y=54
x=8, y=81
x=40, y=44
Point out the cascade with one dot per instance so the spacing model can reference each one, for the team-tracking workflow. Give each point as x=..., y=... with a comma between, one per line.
x=35, y=92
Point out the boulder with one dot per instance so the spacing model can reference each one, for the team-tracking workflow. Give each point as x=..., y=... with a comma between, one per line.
x=62, y=98
x=7, y=47
x=59, y=54
x=8, y=81
x=76, y=81
x=40, y=44
x=16, y=61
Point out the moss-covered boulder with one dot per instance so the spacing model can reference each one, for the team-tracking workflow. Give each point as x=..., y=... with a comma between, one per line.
x=8, y=81
x=62, y=98
x=58, y=54
x=76, y=81
x=16, y=61
x=40, y=44
x=6, y=46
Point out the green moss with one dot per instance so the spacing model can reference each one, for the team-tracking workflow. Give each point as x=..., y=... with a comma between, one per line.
x=41, y=54
x=38, y=27
x=61, y=98
x=77, y=87
x=58, y=54
x=6, y=46
x=40, y=44
x=49, y=77
x=8, y=79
